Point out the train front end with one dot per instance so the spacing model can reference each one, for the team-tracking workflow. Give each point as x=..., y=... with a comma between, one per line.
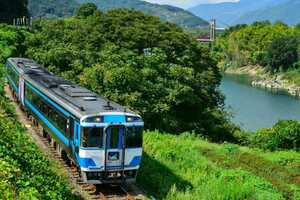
x=111, y=147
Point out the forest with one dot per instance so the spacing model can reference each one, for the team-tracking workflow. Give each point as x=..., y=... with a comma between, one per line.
x=191, y=148
x=273, y=46
x=12, y=9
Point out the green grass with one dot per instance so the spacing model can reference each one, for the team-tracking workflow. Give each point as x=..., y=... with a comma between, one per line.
x=25, y=172
x=187, y=167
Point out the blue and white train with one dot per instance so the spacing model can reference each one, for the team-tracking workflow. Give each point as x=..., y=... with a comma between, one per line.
x=100, y=137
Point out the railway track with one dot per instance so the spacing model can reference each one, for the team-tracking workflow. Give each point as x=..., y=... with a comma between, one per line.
x=85, y=191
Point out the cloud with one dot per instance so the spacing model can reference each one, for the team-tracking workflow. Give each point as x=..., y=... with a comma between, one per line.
x=187, y=3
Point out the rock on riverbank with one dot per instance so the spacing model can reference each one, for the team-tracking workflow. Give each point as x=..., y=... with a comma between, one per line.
x=263, y=79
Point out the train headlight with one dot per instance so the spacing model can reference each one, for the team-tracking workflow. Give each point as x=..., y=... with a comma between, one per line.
x=97, y=119
x=130, y=119
x=133, y=119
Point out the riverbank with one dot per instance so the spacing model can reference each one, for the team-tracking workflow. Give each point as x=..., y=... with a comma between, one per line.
x=261, y=78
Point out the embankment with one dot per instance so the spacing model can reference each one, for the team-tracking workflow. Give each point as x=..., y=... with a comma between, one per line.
x=264, y=79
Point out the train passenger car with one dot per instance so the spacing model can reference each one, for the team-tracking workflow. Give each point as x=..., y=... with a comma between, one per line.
x=100, y=137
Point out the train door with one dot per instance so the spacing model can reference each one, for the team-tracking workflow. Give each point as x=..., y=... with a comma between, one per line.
x=75, y=135
x=21, y=88
x=115, y=147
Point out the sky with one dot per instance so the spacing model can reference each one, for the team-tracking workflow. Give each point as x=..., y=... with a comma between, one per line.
x=186, y=3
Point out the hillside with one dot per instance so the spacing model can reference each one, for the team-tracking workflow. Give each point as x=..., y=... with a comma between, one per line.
x=165, y=12
x=188, y=168
x=52, y=8
x=60, y=8
x=229, y=12
x=287, y=12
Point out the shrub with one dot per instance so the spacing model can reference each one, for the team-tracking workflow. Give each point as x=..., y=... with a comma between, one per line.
x=282, y=52
x=283, y=135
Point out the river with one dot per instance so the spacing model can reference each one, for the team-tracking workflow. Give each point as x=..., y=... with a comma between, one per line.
x=255, y=108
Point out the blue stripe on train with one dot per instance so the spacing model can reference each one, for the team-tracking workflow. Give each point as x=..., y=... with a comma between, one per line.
x=114, y=118
x=13, y=84
x=48, y=99
x=86, y=162
x=49, y=124
x=89, y=163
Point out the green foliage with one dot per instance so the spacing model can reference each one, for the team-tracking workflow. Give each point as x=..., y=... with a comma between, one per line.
x=283, y=135
x=24, y=169
x=152, y=67
x=283, y=53
x=187, y=167
x=251, y=44
x=12, y=9
x=11, y=41
x=25, y=173
x=86, y=10
x=293, y=74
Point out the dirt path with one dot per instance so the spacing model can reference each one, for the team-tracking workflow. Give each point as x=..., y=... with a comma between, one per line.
x=277, y=175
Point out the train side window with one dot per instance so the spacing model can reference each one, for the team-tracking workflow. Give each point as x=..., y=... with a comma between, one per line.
x=92, y=137
x=134, y=137
x=59, y=120
x=71, y=127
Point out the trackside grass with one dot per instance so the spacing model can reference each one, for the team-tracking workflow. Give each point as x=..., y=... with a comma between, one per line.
x=25, y=172
x=187, y=167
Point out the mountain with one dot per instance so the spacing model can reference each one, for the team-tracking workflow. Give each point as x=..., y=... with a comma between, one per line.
x=165, y=12
x=61, y=8
x=52, y=8
x=287, y=12
x=228, y=12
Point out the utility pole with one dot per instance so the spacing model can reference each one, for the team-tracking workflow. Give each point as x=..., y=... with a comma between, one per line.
x=213, y=27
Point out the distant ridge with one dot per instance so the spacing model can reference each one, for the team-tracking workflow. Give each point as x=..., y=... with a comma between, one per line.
x=61, y=8
x=287, y=12
x=230, y=12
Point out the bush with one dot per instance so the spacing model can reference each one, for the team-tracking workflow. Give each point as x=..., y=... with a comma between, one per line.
x=283, y=53
x=283, y=135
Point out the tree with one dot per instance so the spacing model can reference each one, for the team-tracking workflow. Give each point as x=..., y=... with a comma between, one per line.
x=86, y=10
x=12, y=9
x=174, y=86
x=282, y=52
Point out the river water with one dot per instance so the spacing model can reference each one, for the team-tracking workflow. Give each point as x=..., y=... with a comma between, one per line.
x=255, y=108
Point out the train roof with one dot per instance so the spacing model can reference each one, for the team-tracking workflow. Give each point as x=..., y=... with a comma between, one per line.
x=78, y=100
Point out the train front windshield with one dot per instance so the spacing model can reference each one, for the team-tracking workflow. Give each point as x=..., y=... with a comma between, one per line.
x=92, y=137
x=134, y=137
